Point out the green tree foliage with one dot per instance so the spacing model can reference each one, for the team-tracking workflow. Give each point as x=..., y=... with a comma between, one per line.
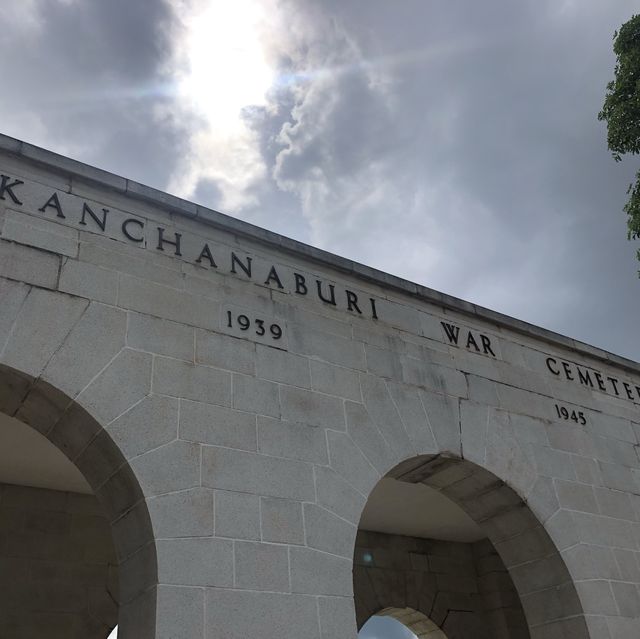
x=621, y=111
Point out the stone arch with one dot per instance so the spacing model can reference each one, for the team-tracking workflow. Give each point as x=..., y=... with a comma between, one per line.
x=73, y=430
x=417, y=622
x=541, y=578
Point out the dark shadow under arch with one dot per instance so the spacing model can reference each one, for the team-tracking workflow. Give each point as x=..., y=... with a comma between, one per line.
x=84, y=441
x=542, y=581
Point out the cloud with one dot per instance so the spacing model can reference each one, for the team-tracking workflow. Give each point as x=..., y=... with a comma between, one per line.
x=455, y=144
x=86, y=79
x=463, y=152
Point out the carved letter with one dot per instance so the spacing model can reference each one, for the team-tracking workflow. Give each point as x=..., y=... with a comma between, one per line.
x=374, y=313
x=273, y=275
x=125, y=229
x=471, y=340
x=206, y=252
x=551, y=360
x=486, y=345
x=585, y=378
x=246, y=268
x=601, y=385
x=162, y=241
x=332, y=298
x=628, y=389
x=352, y=302
x=54, y=203
x=452, y=332
x=7, y=188
x=567, y=371
x=301, y=286
x=614, y=383
x=102, y=223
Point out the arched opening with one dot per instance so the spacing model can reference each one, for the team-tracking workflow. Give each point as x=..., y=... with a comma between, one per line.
x=400, y=623
x=76, y=543
x=447, y=538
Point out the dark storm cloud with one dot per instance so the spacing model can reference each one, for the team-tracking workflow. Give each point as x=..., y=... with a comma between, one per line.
x=86, y=78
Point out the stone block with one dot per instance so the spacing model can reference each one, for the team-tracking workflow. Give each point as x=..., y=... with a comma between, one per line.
x=335, y=380
x=123, y=383
x=281, y=520
x=180, y=612
x=235, y=470
x=129, y=533
x=614, y=503
x=89, y=281
x=586, y=561
x=596, y=597
x=627, y=598
x=553, y=463
x=40, y=233
x=317, y=573
x=130, y=260
x=169, y=303
x=337, y=618
x=309, y=407
x=368, y=438
x=28, y=265
x=414, y=417
x=443, y=412
x=225, y=352
x=162, y=337
x=195, y=562
x=575, y=496
x=172, y=467
x=237, y=515
x=256, y=396
x=188, y=381
x=384, y=413
x=12, y=296
x=325, y=531
x=272, y=615
x=337, y=495
x=210, y=424
x=293, y=441
x=149, y=424
x=188, y=513
x=383, y=362
x=260, y=566
x=280, y=366
x=348, y=461
x=44, y=321
x=605, y=531
x=618, y=477
x=70, y=369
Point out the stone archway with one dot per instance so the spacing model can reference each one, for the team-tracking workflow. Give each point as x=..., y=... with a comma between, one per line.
x=540, y=578
x=84, y=442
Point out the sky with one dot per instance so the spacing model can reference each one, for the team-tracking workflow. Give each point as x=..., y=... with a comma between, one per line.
x=451, y=142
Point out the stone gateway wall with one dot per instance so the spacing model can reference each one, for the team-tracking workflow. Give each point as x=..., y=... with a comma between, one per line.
x=233, y=397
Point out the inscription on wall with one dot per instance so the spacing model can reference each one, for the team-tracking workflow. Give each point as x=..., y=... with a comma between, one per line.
x=90, y=216
x=466, y=338
x=593, y=379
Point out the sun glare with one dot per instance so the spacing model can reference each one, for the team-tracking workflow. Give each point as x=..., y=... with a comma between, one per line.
x=226, y=68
